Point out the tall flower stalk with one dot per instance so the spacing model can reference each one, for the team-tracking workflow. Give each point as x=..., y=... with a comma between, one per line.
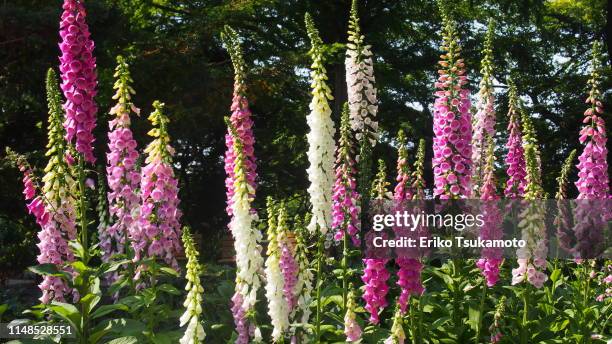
x=398, y=336
x=410, y=266
x=303, y=285
x=362, y=101
x=515, y=159
x=452, y=146
x=484, y=123
x=375, y=274
x=241, y=121
x=249, y=261
x=122, y=174
x=492, y=218
x=563, y=220
x=194, y=333
x=79, y=80
x=59, y=191
x=418, y=173
x=593, y=181
x=159, y=230
x=278, y=309
x=320, y=137
x=352, y=330
x=345, y=197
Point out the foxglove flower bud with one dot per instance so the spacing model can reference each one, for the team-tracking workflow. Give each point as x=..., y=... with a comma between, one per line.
x=352, y=330
x=194, y=333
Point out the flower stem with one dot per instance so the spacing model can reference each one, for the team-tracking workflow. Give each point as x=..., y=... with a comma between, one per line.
x=481, y=310
x=319, y=283
x=412, y=325
x=344, y=270
x=525, y=315
x=83, y=208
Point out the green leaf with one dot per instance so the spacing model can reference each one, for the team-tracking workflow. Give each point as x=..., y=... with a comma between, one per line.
x=48, y=269
x=124, y=340
x=67, y=312
x=169, y=288
x=90, y=301
x=554, y=276
x=106, y=309
x=169, y=271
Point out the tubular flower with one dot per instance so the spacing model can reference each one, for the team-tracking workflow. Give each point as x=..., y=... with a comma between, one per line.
x=246, y=244
x=532, y=257
x=409, y=272
x=492, y=218
x=593, y=180
x=375, y=274
x=59, y=191
x=278, y=308
x=495, y=328
x=352, y=330
x=122, y=173
x=345, y=208
x=241, y=120
x=320, y=138
x=360, y=81
x=563, y=220
x=515, y=159
x=303, y=286
x=78, y=71
x=452, y=121
x=159, y=228
x=398, y=336
x=194, y=333
x=484, y=123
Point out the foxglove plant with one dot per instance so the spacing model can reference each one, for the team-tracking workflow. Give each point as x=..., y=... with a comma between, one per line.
x=452, y=146
x=159, y=231
x=59, y=192
x=320, y=138
x=563, y=220
x=79, y=80
x=303, y=287
x=496, y=326
x=515, y=159
x=249, y=261
x=398, y=336
x=362, y=101
x=532, y=257
x=289, y=267
x=418, y=173
x=278, y=308
x=492, y=218
x=375, y=274
x=410, y=266
x=194, y=333
x=352, y=330
x=593, y=182
x=345, y=208
x=122, y=173
x=241, y=120
x=484, y=123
